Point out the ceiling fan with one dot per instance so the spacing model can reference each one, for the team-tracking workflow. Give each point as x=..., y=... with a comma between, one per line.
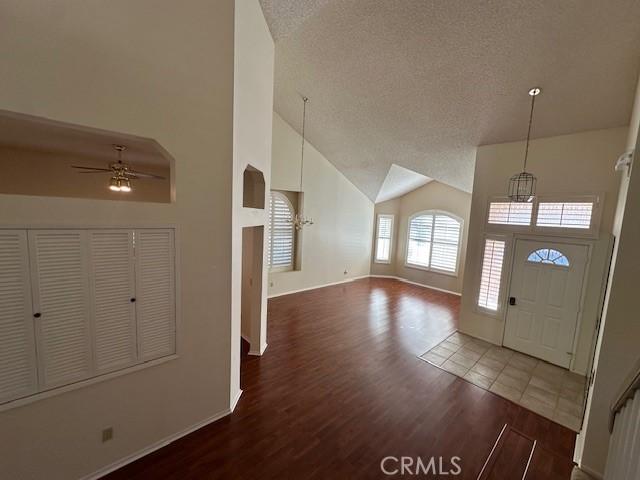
x=121, y=173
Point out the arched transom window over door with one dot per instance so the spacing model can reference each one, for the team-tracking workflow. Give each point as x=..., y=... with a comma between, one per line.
x=548, y=256
x=433, y=241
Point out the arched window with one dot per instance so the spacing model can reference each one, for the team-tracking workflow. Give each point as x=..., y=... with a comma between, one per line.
x=548, y=256
x=434, y=241
x=281, y=233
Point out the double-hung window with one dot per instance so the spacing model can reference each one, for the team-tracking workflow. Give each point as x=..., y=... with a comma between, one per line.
x=280, y=241
x=434, y=241
x=384, y=233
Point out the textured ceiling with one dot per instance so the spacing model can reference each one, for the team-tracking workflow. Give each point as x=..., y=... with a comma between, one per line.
x=400, y=180
x=421, y=83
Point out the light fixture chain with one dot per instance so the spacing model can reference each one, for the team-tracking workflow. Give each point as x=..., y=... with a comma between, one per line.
x=304, y=118
x=526, y=149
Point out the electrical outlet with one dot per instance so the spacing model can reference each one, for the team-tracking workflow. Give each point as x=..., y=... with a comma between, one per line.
x=107, y=434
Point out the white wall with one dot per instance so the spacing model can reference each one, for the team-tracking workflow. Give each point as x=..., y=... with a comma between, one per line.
x=432, y=196
x=580, y=163
x=617, y=348
x=340, y=239
x=252, y=120
x=156, y=69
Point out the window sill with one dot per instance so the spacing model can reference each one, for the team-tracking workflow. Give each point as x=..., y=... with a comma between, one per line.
x=19, y=402
x=432, y=270
x=383, y=262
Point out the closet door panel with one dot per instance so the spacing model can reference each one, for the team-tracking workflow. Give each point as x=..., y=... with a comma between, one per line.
x=113, y=297
x=18, y=375
x=155, y=290
x=61, y=296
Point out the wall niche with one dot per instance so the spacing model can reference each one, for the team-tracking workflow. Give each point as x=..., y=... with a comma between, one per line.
x=253, y=188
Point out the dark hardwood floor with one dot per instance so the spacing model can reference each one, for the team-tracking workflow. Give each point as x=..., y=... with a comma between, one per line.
x=340, y=388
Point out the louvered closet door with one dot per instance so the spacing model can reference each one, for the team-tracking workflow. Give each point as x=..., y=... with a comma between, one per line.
x=155, y=292
x=17, y=347
x=113, y=294
x=61, y=295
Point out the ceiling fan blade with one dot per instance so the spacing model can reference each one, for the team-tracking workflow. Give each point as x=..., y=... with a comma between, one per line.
x=136, y=174
x=102, y=172
x=94, y=169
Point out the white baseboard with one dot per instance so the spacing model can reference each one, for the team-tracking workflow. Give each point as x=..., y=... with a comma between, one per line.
x=593, y=473
x=274, y=295
x=158, y=445
x=235, y=401
x=258, y=353
x=416, y=283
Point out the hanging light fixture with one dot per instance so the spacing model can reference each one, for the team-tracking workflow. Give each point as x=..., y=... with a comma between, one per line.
x=298, y=220
x=522, y=186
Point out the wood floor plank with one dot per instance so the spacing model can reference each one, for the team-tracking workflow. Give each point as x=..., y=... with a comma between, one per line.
x=341, y=387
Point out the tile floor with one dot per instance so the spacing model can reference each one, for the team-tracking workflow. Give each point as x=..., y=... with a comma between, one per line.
x=548, y=390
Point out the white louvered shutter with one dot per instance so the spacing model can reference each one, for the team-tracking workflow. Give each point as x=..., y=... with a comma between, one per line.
x=419, y=245
x=383, y=241
x=155, y=292
x=491, y=277
x=281, y=231
x=446, y=239
x=112, y=284
x=565, y=214
x=61, y=295
x=510, y=213
x=17, y=348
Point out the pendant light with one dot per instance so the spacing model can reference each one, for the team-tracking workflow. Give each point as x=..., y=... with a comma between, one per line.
x=298, y=220
x=522, y=186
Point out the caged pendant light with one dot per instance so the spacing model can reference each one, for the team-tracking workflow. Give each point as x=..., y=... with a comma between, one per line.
x=522, y=186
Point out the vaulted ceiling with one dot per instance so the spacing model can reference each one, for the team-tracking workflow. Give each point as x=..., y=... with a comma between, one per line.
x=421, y=83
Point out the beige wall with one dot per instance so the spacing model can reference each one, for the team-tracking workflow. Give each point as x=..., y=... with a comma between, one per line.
x=27, y=172
x=581, y=163
x=156, y=69
x=432, y=196
x=252, y=120
x=340, y=239
x=617, y=349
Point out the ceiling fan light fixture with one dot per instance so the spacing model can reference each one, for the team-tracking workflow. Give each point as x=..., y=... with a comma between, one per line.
x=125, y=185
x=114, y=184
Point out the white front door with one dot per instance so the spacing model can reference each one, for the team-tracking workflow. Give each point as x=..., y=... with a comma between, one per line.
x=544, y=299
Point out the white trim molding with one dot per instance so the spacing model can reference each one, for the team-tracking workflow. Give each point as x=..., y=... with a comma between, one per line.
x=451, y=292
x=274, y=295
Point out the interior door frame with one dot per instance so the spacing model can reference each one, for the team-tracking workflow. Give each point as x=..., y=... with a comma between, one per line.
x=511, y=263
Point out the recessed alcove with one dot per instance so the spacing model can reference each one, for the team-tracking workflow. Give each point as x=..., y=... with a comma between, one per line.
x=253, y=187
x=43, y=157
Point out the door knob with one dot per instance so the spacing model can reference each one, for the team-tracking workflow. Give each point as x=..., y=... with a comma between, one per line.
x=512, y=300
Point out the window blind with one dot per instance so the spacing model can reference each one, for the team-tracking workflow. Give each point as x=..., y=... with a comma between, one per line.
x=434, y=241
x=383, y=240
x=489, y=295
x=510, y=213
x=565, y=214
x=280, y=241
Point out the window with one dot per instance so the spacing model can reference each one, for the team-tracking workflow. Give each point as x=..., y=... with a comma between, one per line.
x=549, y=256
x=80, y=303
x=434, y=241
x=489, y=296
x=383, y=238
x=510, y=213
x=281, y=233
x=565, y=214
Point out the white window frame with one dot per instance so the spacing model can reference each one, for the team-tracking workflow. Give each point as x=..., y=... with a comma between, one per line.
x=41, y=395
x=505, y=274
x=532, y=228
x=375, y=252
x=430, y=268
x=596, y=216
x=284, y=268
